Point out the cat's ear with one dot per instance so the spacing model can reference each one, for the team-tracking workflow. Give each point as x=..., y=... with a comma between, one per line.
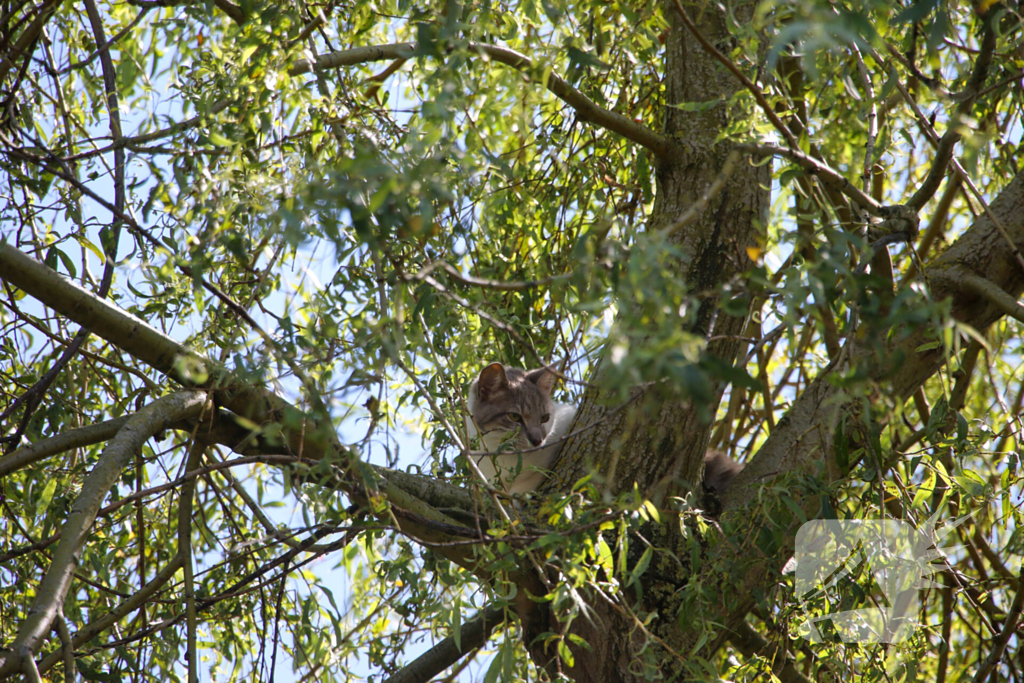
x=492, y=381
x=543, y=378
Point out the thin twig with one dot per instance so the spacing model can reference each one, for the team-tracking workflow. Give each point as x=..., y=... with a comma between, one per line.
x=33, y=397
x=999, y=642
x=754, y=90
x=823, y=171
x=103, y=48
x=471, y=281
x=586, y=109
x=448, y=294
x=872, y=132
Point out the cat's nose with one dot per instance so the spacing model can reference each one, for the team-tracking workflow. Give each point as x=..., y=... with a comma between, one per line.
x=536, y=439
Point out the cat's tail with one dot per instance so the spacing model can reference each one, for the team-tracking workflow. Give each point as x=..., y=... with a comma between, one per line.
x=719, y=470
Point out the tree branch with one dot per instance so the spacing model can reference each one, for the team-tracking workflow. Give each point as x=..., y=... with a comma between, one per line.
x=50, y=594
x=747, y=83
x=473, y=634
x=67, y=648
x=187, y=482
x=752, y=644
x=586, y=109
x=471, y=281
x=823, y=171
x=34, y=396
x=229, y=8
x=1003, y=637
x=132, y=335
x=28, y=36
x=188, y=491
x=988, y=290
x=945, y=146
x=804, y=438
x=65, y=441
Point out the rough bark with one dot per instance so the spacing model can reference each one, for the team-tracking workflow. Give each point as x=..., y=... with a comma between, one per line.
x=656, y=441
x=662, y=442
x=801, y=446
x=657, y=444
x=802, y=443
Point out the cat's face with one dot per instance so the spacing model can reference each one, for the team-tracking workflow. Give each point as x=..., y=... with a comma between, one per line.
x=509, y=399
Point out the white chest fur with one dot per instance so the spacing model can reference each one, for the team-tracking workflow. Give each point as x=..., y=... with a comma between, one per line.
x=532, y=460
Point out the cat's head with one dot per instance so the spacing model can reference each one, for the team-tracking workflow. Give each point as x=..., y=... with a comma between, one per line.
x=504, y=399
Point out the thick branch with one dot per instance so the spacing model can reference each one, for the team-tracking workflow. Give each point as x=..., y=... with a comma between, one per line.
x=804, y=438
x=586, y=109
x=51, y=593
x=65, y=441
x=473, y=634
x=990, y=291
x=120, y=328
x=149, y=345
x=187, y=367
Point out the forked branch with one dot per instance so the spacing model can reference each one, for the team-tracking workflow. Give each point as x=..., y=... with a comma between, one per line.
x=55, y=585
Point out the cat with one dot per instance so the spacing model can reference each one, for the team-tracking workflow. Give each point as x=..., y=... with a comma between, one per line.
x=503, y=400
x=719, y=470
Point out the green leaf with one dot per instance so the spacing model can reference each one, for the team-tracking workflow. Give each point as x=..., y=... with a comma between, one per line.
x=652, y=510
x=91, y=247
x=577, y=56
x=842, y=446
x=924, y=493
x=698, y=107
x=794, y=508
x=46, y=497
x=640, y=567
x=93, y=673
x=494, y=670
x=565, y=654
x=937, y=417
x=219, y=140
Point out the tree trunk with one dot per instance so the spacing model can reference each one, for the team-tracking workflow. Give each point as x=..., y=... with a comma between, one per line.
x=655, y=441
x=660, y=444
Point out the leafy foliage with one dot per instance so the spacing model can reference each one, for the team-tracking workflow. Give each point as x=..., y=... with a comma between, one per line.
x=392, y=229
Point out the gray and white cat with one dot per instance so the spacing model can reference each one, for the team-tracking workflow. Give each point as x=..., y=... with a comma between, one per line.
x=502, y=400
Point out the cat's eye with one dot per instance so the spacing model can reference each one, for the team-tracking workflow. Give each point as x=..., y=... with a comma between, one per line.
x=515, y=417
x=544, y=420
